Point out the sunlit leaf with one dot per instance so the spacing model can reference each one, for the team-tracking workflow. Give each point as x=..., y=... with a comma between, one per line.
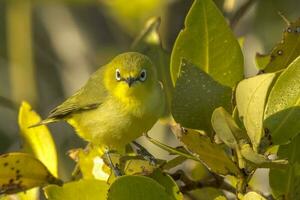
x=212, y=155
x=136, y=165
x=83, y=189
x=90, y=163
x=285, y=183
x=137, y=188
x=253, y=196
x=20, y=172
x=196, y=95
x=37, y=140
x=251, y=96
x=169, y=184
x=283, y=107
x=208, y=42
x=284, y=52
x=149, y=43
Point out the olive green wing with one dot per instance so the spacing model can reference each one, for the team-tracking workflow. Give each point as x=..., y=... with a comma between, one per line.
x=90, y=96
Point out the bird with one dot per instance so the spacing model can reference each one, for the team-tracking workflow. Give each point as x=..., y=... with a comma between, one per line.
x=120, y=101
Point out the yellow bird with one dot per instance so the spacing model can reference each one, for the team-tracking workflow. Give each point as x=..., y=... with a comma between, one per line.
x=121, y=101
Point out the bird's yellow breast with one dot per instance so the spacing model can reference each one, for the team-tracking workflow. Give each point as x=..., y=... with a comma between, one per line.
x=119, y=120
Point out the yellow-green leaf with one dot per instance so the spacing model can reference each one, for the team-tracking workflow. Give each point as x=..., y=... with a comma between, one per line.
x=251, y=96
x=226, y=128
x=284, y=52
x=253, y=196
x=283, y=107
x=31, y=194
x=211, y=154
x=83, y=189
x=260, y=161
x=208, y=42
x=137, y=188
x=195, y=97
x=37, y=140
x=20, y=172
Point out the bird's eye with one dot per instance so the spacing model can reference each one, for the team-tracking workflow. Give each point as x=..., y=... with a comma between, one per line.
x=118, y=75
x=143, y=75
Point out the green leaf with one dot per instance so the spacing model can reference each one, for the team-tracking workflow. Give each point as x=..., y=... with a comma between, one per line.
x=20, y=172
x=174, y=162
x=260, y=161
x=229, y=132
x=136, y=188
x=83, y=189
x=149, y=43
x=284, y=52
x=38, y=140
x=226, y=128
x=208, y=42
x=251, y=96
x=168, y=183
x=207, y=193
x=195, y=97
x=283, y=107
x=253, y=196
x=285, y=182
x=211, y=154
x=262, y=61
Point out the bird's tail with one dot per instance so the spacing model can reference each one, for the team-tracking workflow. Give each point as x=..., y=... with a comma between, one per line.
x=43, y=122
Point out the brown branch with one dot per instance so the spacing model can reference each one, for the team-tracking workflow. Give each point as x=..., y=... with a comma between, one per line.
x=240, y=13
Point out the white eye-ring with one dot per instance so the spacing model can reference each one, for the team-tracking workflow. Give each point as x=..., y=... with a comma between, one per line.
x=118, y=75
x=143, y=75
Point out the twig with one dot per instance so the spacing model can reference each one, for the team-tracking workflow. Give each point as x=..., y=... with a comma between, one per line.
x=215, y=181
x=240, y=13
x=5, y=102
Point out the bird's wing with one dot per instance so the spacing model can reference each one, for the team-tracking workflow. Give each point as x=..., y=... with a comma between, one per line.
x=88, y=97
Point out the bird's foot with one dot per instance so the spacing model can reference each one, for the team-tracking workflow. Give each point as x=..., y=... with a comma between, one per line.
x=145, y=154
x=115, y=168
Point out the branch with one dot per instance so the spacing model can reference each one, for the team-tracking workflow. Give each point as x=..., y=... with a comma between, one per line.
x=215, y=181
x=5, y=102
x=240, y=13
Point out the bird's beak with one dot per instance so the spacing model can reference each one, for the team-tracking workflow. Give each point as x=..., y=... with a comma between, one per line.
x=130, y=81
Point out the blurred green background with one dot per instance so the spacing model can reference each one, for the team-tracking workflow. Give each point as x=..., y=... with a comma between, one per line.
x=48, y=49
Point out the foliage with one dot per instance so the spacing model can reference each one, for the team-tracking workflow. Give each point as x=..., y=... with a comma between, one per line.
x=228, y=125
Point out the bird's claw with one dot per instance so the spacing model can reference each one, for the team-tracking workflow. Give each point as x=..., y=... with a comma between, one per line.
x=115, y=168
x=145, y=154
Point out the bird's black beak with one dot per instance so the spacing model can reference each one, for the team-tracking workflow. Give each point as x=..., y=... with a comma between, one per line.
x=130, y=81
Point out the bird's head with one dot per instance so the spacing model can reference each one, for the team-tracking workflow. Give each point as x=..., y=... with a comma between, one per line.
x=130, y=75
